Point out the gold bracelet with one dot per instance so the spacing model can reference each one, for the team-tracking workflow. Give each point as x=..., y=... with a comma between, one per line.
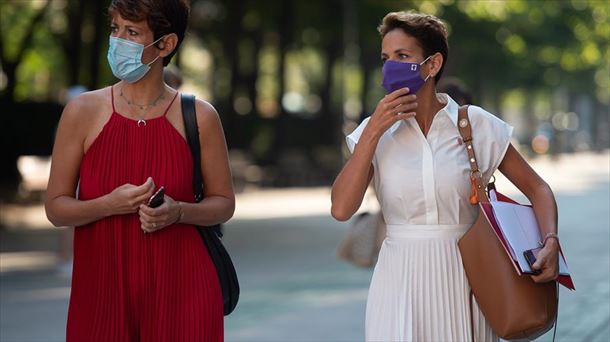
x=550, y=236
x=180, y=214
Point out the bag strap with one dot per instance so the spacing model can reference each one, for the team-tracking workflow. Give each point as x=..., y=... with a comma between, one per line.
x=187, y=102
x=477, y=193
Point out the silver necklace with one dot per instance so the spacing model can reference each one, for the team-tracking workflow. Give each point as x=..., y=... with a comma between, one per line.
x=141, y=120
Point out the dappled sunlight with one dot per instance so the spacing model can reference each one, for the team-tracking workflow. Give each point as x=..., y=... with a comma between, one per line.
x=289, y=80
x=30, y=260
x=567, y=173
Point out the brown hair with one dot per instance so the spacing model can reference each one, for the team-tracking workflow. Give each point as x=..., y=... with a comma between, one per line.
x=429, y=31
x=163, y=17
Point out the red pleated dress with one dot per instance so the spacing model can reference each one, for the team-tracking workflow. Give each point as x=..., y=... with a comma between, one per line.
x=132, y=286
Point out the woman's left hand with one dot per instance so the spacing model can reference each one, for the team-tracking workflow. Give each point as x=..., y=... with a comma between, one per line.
x=153, y=219
x=548, y=262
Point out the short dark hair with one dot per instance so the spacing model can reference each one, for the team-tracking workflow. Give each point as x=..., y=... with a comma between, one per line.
x=163, y=17
x=429, y=31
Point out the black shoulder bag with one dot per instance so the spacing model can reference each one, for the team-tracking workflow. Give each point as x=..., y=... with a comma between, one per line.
x=210, y=235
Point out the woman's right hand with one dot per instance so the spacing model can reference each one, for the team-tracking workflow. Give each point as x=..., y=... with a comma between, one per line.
x=397, y=105
x=126, y=199
x=351, y=183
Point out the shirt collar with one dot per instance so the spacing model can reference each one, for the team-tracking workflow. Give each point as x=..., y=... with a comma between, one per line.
x=450, y=109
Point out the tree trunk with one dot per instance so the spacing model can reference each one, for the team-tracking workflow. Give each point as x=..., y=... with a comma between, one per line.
x=10, y=71
x=98, y=15
x=530, y=122
x=235, y=14
x=73, y=41
x=285, y=29
x=10, y=66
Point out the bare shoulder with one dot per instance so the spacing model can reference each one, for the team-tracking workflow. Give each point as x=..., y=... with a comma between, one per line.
x=84, y=116
x=207, y=116
x=87, y=107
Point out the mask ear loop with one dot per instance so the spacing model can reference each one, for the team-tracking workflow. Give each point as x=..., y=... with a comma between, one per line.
x=424, y=61
x=154, y=60
x=163, y=36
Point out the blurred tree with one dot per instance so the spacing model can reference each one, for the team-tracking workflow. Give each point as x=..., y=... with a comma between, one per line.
x=97, y=25
x=546, y=46
x=18, y=22
x=285, y=75
x=71, y=39
x=219, y=26
x=81, y=39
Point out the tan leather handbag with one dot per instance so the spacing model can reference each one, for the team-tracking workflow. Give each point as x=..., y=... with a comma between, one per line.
x=514, y=305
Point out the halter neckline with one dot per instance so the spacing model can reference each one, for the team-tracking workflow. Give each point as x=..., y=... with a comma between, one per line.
x=141, y=122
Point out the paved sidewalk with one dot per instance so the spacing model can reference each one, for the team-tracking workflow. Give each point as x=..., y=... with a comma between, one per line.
x=293, y=287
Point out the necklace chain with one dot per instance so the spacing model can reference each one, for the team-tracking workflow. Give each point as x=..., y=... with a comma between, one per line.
x=142, y=121
x=142, y=106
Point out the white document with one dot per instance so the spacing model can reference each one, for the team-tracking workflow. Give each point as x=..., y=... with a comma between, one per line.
x=520, y=229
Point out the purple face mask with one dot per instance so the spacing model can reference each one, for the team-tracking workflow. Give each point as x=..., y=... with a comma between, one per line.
x=398, y=75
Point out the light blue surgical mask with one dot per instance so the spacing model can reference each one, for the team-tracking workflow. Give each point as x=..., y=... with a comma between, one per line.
x=125, y=59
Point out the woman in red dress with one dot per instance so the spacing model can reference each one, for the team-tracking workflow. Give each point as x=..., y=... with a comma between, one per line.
x=140, y=273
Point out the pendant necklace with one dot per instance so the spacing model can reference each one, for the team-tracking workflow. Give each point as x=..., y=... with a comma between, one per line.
x=141, y=120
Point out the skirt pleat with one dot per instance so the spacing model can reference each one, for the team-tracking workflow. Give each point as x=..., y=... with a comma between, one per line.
x=419, y=291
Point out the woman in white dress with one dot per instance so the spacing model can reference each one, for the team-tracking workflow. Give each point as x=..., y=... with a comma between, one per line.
x=411, y=148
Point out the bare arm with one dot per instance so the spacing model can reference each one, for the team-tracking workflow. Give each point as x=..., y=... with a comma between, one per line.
x=218, y=204
x=62, y=207
x=351, y=183
x=539, y=193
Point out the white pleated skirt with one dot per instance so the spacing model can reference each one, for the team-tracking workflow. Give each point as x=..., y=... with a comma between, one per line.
x=419, y=291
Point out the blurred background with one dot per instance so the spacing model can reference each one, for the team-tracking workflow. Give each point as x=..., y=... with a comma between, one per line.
x=290, y=78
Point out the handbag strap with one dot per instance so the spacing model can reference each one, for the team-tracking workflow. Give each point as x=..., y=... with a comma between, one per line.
x=187, y=102
x=478, y=193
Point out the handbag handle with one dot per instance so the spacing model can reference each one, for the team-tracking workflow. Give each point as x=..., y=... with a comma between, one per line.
x=478, y=193
x=187, y=102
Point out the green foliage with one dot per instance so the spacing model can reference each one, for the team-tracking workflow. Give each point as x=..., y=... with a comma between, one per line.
x=15, y=17
x=248, y=54
x=41, y=68
x=565, y=41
